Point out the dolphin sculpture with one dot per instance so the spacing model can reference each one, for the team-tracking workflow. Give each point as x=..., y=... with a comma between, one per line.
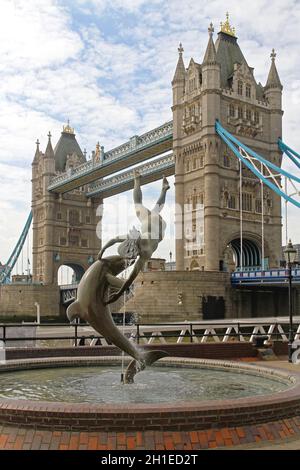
x=91, y=306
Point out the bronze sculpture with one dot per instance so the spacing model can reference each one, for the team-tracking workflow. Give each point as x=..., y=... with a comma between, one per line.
x=98, y=285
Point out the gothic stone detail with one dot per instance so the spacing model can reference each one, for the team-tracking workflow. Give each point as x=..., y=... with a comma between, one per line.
x=64, y=226
x=223, y=87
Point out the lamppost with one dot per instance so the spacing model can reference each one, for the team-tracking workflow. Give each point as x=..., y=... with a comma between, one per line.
x=290, y=254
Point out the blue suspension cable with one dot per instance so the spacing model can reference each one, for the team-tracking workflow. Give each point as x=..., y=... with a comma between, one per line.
x=5, y=274
x=229, y=139
x=220, y=130
x=289, y=152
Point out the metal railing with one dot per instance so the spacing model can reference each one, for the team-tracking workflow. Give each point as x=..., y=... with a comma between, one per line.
x=136, y=143
x=268, y=276
x=193, y=332
x=146, y=169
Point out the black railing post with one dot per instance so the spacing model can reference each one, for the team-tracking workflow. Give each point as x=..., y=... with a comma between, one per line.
x=4, y=335
x=76, y=335
x=239, y=331
x=138, y=333
x=191, y=332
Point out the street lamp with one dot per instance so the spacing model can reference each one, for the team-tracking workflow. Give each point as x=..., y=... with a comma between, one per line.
x=290, y=254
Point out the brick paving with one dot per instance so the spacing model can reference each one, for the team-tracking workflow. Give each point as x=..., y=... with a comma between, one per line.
x=280, y=434
x=277, y=434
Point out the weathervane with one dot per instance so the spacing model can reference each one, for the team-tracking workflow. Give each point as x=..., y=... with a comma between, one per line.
x=211, y=29
x=180, y=49
x=273, y=55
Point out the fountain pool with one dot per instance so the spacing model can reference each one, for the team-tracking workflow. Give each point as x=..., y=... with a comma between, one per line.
x=85, y=393
x=156, y=385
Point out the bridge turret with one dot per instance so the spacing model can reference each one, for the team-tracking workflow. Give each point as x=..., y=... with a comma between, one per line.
x=178, y=85
x=207, y=179
x=211, y=70
x=273, y=93
x=211, y=104
x=48, y=165
x=37, y=153
x=179, y=77
x=211, y=82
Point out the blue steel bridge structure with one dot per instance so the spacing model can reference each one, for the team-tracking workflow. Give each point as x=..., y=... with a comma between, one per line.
x=151, y=154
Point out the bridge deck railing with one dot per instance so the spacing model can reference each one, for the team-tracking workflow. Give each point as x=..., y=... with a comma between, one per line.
x=271, y=276
x=135, y=144
x=194, y=332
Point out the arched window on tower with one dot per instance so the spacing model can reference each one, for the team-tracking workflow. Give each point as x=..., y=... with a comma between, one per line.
x=192, y=84
x=240, y=112
x=192, y=110
x=247, y=202
x=226, y=161
x=231, y=202
x=231, y=110
x=194, y=201
x=74, y=217
x=248, y=91
x=240, y=87
x=248, y=114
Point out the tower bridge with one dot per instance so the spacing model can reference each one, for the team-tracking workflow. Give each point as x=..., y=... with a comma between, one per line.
x=224, y=145
x=136, y=150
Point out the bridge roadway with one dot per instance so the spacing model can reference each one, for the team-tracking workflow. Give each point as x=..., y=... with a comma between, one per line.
x=150, y=171
x=136, y=150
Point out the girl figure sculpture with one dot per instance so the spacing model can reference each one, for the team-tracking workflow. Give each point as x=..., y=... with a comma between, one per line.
x=140, y=245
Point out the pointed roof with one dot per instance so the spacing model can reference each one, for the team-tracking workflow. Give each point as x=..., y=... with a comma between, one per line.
x=228, y=54
x=67, y=145
x=37, y=153
x=49, y=150
x=273, y=77
x=180, y=69
x=210, y=57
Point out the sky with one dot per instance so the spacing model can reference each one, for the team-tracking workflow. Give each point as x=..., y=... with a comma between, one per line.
x=107, y=66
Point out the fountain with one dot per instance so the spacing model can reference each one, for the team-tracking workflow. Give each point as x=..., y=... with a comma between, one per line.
x=178, y=393
x=85, y=393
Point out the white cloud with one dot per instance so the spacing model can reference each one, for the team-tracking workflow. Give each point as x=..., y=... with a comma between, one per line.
x=56, y=64
x=34, y=34
x=14, y=204
x=98, y=6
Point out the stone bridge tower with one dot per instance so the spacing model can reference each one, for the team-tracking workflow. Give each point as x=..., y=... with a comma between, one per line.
x=64, y=225
x=207, y=173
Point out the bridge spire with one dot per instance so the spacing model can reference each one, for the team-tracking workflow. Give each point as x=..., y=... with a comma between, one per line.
x=37, y=152
x=49, y=150
x=210, y=57
x=273, y=77
x=180, y=72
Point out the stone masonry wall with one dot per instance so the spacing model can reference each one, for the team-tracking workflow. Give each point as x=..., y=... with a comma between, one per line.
x=18, y=300
x=157, y=295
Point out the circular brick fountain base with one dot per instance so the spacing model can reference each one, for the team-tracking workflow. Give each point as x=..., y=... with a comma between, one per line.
x=142, y=417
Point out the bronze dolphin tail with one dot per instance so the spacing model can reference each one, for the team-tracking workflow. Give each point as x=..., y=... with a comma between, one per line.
x=148, y=359
x=74, y=311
